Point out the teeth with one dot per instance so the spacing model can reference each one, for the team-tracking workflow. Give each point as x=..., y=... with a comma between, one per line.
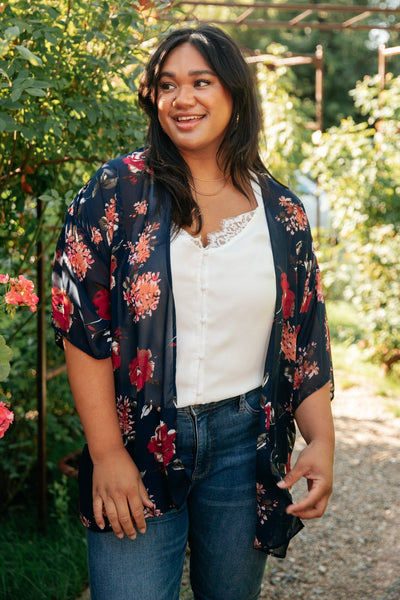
x=188, y=118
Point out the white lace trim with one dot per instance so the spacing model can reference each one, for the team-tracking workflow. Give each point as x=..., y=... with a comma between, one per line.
x=230, y=227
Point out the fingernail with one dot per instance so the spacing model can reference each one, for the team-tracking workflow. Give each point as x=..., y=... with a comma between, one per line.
x=281, y=483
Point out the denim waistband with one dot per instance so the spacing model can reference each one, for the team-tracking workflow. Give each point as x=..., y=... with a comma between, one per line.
x=209, y=406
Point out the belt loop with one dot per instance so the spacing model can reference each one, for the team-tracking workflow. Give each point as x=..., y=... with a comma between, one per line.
x=241, y=398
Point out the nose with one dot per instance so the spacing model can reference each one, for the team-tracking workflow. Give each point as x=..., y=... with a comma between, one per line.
x=184, y=96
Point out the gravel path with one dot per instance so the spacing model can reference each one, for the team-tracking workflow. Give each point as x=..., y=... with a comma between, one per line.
x=353, y=552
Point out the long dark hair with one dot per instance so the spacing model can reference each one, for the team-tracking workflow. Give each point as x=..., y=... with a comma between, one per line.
x=238, y=154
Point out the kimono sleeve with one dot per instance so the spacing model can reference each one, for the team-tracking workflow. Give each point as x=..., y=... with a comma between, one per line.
x=313, y=367
x=81, y=309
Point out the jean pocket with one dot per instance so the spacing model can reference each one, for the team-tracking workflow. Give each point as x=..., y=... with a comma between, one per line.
x=250, y=402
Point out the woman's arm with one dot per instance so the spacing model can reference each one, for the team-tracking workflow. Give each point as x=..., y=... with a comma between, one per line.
x=116, y=480
x=315, y=462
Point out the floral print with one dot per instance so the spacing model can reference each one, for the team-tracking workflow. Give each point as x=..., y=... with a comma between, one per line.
x=141, y=368
x=162, y=444
x=112, y=297
x=293, y=216
x=78, y=255
x=125, y=417
x=142, y=295
x=62, y=309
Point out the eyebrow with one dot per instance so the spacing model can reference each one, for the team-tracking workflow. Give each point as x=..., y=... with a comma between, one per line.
x=190, y=73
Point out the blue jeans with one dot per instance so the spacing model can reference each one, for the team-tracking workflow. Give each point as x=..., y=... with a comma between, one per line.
x=217, y=444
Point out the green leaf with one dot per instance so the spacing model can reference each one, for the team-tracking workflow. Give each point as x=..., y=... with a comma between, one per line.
x=5, y=357
x=16, y=94
x=2, y=72
x=35, y=60
x=7, y=123
x=36, y=92
x=11, y=33
x=4, y=46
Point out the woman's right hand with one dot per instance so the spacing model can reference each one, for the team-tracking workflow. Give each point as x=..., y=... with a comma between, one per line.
x=119, y=489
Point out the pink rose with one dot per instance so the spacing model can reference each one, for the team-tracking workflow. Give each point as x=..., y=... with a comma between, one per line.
x=6, y=418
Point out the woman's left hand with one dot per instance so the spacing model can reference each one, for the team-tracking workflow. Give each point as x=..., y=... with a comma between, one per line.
x=315, y=463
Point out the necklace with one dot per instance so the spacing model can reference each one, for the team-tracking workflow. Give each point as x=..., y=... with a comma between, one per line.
x=196, y=191
x=218, y=179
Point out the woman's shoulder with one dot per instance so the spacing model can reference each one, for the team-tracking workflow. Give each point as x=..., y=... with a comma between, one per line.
x=285, y=206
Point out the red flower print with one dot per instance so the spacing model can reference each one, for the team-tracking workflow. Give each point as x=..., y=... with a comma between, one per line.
x=135, y=162
x=293, y=216
x=62, y=309
x=289, y=341
x=101, y=300
x=268, y=415
x=109, y=222
x=287, y=297
x=143, y=295
x=97, y=238
x=162, y=444
x=115, y=355
x=307, y=296
x=298, y=379
x=141, y=368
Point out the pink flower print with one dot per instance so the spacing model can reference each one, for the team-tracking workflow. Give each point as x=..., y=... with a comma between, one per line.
x=101, y=301
x=141, y=368
x=125, y=417
x=62, y=309
x=78, y=255
x=289, y=341
x=141, y=207
x=293, y=217
x=97, y=238
x=287, y=297
x=6, y=418
x=320, y=295
x=307, y=296
x=143, y=295
x=162, y=444
x=4, y=278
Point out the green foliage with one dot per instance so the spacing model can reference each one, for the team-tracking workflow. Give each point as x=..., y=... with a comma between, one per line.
x=68, y=80
x=284, y=119
x=357, y=166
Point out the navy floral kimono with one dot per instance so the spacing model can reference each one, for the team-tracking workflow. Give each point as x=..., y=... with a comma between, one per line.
x=112, y=297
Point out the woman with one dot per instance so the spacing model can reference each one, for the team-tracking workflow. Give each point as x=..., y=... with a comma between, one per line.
x=188, y=300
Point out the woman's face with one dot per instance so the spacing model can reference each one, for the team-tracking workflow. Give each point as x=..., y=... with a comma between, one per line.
x=194, y=108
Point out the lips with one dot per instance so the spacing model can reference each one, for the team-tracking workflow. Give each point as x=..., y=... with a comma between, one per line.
x=187, y=118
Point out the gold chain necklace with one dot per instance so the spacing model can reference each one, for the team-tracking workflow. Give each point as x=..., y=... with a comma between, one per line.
x=218, y=179
x=196, y=191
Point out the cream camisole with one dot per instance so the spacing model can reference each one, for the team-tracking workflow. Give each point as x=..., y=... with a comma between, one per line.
x=224, y=301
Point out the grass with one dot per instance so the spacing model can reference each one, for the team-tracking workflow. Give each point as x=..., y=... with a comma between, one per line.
x=351, y=361
x=34, y=566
